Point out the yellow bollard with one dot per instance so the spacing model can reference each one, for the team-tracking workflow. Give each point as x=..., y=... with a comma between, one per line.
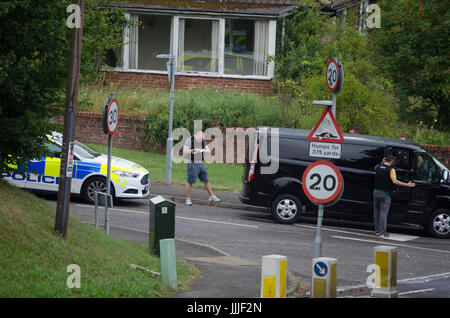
x=273, y=276
x=324, y=277
x=386, y=272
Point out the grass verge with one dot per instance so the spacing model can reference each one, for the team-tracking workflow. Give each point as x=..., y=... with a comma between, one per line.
x=34, y=260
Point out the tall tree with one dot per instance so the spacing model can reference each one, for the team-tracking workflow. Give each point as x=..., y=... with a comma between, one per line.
x=34, y=49
x=412, y=48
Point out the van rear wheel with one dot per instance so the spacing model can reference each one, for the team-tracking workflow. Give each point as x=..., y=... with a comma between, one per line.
x=286, y=208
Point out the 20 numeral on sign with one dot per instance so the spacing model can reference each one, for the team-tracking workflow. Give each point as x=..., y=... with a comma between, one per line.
x=322, y=182
x=326, y=186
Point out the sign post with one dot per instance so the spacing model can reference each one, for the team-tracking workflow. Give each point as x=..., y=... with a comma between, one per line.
x=323, y=185
x=169, y=145
x=110, y=124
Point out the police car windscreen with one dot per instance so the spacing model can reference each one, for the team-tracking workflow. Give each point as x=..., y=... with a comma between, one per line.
x=84, y=152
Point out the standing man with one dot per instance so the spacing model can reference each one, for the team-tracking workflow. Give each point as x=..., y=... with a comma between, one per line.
x=385, y=179
x=194, y=149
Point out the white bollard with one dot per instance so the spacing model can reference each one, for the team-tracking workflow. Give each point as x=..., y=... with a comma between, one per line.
x=324, y=277
x=273, y=276
x=385, y=258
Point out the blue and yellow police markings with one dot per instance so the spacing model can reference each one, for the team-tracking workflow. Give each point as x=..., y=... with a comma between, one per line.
x=47, y=171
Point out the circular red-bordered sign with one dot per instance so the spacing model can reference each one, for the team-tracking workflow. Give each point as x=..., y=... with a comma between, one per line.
x=322, y=183
x=112, y=116
x=332, y=75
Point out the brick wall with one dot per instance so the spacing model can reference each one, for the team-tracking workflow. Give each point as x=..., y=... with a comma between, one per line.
x=442, y=153
x=129, y=134
x=152, y=81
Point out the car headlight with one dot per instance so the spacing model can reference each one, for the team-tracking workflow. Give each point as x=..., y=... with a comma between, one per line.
x=126, y=174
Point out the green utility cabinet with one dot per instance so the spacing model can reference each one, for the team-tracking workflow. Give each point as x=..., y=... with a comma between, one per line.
x=162, y=222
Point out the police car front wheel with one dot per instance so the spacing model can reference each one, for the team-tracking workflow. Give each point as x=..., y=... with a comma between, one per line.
x=95, y=184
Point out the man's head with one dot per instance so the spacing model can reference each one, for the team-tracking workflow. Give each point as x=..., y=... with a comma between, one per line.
x=199, y=135
x=354, y=131
x=389, y=160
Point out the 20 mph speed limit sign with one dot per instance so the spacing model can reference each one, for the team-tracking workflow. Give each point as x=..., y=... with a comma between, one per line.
x=322, y=183
x=334, y=76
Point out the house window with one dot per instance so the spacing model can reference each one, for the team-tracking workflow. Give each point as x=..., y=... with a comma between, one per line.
x=217, y=46
x=246, y=47
x=149, y=36
x=198, y=45
x=154, y=39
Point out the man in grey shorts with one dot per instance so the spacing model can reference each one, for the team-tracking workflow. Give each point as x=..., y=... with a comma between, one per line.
x=193, y=149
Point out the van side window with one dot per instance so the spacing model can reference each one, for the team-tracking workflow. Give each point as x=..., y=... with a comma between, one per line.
x=362, y=157
x=425, y=168
x=293, y=149
x=402, y=155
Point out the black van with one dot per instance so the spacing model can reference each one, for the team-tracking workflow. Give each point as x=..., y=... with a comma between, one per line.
x=427, y=204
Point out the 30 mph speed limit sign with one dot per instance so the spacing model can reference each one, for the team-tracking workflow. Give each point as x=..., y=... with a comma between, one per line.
x=112, y=116
x=322, y=183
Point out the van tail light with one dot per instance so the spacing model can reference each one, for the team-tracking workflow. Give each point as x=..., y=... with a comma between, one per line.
x=251, y=171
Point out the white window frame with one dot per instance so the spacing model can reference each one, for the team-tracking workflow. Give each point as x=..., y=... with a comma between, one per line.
x=174, y=34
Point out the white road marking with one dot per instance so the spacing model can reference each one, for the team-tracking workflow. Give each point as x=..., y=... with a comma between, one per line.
x=177, y=238
x=393, y=236
x=177, y=217
x=405, y=281
x=389, y=243
x=416, y=291
x=424, y=279
x=219, y=222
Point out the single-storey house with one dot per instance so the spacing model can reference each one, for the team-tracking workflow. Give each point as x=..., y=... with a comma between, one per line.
x=217, y=43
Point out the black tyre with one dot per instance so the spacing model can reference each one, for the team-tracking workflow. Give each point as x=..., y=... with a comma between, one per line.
x=439, y=223
x=92, y=185
x=286, y=208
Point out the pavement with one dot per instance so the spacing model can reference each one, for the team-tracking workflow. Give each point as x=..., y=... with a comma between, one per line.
x=220, y=275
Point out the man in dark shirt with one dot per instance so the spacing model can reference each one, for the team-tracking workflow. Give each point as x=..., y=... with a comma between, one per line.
x=194, y=149
x=385, y=179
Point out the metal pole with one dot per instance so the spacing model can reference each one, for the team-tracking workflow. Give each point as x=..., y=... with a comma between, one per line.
x=108, y=184
x=169, y=145
x=96, y=209
x=318, y=239
x=333, y=106
x=63, y=205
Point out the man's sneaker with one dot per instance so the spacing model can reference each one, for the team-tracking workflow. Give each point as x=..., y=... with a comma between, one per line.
x=213, y=198
x=378, y=233
x=188, y=202
x=384, y=235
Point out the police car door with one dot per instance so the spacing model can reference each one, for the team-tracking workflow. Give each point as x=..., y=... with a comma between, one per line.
x=44, y=173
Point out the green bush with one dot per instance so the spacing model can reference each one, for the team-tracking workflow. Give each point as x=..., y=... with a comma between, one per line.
x=214, y=108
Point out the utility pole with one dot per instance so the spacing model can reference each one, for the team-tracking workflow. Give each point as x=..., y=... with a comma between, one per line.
x=65, y=181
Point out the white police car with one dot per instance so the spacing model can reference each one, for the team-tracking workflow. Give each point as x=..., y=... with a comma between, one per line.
x=128, y=179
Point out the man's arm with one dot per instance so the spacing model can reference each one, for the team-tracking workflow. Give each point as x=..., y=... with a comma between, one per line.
x=393, y=176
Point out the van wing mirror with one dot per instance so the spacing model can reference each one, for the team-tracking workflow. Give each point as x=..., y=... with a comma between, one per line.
x=445, y=175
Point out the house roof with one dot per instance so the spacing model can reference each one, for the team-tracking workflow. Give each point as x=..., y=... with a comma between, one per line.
x=273, y=8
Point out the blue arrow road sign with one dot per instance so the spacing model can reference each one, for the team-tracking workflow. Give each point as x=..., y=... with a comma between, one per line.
x=321, y=269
